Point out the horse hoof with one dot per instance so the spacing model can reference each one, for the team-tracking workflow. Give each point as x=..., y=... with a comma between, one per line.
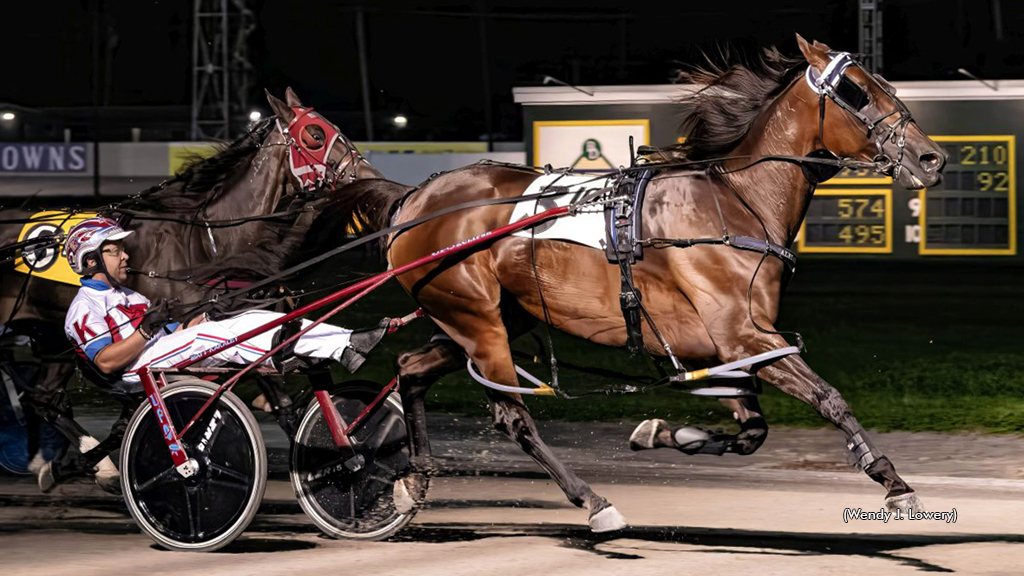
x=645, y=436
x=404, y=502
x=409, y=493
x=46, y=478
x=107, y=477
x=904, y=502
x=606, y=519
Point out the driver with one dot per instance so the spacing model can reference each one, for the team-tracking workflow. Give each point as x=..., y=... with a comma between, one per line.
x=120, y=331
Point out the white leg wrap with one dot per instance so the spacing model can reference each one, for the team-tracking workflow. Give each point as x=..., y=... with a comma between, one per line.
x=36, y=463
x=86, y=443
x=105, y=468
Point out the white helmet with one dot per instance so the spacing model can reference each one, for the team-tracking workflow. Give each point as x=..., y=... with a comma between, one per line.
x=86, y=237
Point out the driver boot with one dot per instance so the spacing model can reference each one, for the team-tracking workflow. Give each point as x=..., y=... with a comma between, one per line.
x=360, y=343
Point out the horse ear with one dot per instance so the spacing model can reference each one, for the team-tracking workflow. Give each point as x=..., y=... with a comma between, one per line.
x=822, y=46
x=280, y=108
x=292, y=99
x=815, y=56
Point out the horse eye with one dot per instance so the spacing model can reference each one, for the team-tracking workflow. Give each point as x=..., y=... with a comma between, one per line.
x=313, y=137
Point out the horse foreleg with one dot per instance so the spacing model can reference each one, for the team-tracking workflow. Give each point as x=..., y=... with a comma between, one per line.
x=794, y=377
x=657, y=433
x=84, y=454
x=276, y=399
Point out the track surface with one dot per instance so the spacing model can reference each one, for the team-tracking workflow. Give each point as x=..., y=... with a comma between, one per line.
x=492, y=512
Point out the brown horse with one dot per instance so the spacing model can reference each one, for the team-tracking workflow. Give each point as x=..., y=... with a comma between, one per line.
x=698, y=296
x=247, y=181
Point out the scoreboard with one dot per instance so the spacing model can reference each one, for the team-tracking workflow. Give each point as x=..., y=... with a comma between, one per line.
x=972, y=213
x=854, y=220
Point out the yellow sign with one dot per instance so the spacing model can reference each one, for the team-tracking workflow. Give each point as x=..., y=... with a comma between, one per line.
x=48, y=262
x=588, y=144
x=180, y=155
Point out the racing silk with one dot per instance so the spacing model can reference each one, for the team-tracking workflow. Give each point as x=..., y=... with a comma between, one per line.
x=101, y=315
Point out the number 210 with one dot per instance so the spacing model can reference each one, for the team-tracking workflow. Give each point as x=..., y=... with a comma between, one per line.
x=971, y=154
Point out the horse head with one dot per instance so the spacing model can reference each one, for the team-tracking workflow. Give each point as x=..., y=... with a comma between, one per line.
x=320, y=157
x=859, y=116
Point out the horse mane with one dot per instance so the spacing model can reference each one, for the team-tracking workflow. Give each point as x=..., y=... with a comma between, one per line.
x=720, y=114
x=366, y=204
x=275, y=245
x=202, y=180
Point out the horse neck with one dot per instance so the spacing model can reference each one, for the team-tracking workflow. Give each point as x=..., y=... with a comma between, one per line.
x=365, y=171
x=777, y=191
x=255, y=191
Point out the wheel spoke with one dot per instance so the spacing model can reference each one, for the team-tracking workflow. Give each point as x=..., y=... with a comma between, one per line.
x=192, y=510
x=162, y=479
x=229, y=476
x=373, y=421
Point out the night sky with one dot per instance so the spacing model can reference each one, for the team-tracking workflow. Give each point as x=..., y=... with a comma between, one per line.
x=425, y=57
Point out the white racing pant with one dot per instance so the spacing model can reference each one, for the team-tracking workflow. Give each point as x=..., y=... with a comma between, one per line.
x=324, y=341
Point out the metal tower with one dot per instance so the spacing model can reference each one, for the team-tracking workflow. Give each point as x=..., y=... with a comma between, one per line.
x=221, y=71
x=870, y=35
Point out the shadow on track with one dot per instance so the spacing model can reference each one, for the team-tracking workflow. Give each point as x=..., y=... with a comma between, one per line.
x=716, y=540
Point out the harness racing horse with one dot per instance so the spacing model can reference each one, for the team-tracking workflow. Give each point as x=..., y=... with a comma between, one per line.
x=244, y=213
x=698, y=297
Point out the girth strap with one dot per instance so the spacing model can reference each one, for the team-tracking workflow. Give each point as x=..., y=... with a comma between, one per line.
x=623, y=227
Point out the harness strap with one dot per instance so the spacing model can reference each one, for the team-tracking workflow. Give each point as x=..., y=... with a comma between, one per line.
x=375, y=236
x=622, y=227
x=739, y=242
x=12, y=394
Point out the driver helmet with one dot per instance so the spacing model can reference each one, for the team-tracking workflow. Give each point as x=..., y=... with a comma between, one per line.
x=87, y=237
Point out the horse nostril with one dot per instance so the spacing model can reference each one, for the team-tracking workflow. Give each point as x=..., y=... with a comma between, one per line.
x=931, y=162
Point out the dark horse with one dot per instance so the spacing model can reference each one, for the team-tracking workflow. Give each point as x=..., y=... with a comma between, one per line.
x=246, y=182
x=697, y=296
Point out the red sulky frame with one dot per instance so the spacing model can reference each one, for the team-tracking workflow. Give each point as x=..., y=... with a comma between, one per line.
x=154, y=380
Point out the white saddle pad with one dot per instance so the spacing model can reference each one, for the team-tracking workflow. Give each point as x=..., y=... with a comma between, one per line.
x=585, y=228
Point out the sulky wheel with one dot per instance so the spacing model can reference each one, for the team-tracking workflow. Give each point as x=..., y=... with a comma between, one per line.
x=212, y=507
x=348, y=494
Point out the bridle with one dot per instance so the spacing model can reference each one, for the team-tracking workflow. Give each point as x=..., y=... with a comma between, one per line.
x=311, y=166
x=832, y=83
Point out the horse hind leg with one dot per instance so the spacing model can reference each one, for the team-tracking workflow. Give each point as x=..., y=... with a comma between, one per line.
x=513, y=419
x=657, y=433
x=418, y=370
x=480, y=331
